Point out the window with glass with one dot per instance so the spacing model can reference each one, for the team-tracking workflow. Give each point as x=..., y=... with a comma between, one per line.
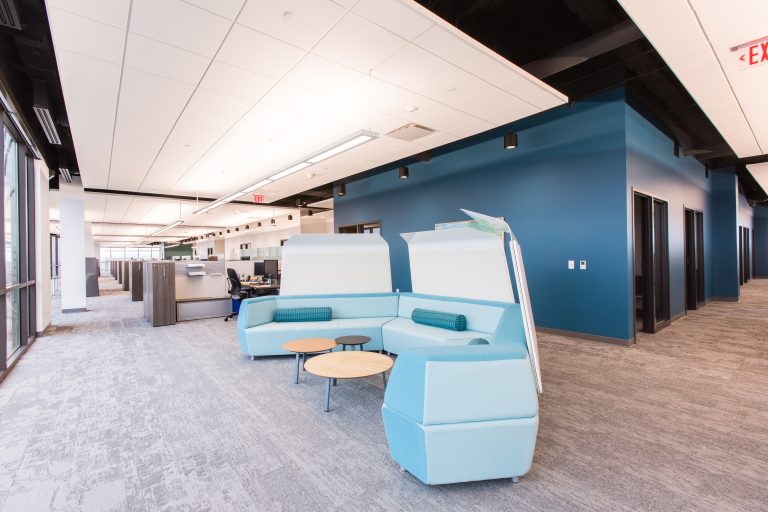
x=17, y=279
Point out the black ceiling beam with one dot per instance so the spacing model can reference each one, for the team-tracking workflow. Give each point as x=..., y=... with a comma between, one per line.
x=130, y=193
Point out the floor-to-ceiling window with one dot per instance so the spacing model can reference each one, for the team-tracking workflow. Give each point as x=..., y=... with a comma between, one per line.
x=17, y=279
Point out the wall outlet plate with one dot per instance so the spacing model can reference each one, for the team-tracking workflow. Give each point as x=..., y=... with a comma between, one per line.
x=571, y=265
x=582, y=264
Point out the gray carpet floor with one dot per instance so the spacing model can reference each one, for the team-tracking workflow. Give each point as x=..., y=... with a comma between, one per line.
x=106, y=413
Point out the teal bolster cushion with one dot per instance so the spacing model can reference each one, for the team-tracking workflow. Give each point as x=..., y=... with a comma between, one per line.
x=440, y=319
x=303, y=314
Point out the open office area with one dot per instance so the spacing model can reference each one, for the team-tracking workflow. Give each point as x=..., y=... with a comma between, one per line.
x=384, y=255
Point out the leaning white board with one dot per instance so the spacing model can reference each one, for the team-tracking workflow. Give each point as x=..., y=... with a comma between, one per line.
x=497, y=225
x=332, y=264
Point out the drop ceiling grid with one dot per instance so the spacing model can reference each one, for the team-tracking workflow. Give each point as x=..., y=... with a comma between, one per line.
x=461, y=129
x=409, y=39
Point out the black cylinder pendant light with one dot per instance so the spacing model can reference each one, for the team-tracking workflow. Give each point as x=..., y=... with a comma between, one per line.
x=510, y=140
x=341, y=189
x=404, y=173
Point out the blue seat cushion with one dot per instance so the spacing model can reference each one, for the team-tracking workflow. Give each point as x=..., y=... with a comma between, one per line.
x=442, y=319
x=306, y=314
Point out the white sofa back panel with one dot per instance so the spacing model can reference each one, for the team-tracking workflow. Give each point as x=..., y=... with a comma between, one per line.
x=360, y=306
x=481, y=316
x=456, y=391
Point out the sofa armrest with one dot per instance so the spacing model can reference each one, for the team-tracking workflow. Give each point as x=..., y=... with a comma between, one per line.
x=256, y=311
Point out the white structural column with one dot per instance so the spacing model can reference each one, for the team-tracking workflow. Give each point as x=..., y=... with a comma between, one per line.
x=72, y=250
x=43, y=249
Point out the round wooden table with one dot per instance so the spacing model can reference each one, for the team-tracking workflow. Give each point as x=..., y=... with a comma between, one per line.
x=348, y=365
x=306, y=346
x=352, y=341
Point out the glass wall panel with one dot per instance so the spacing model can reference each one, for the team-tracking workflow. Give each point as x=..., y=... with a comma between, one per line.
x=11, y=203
x=12, y=316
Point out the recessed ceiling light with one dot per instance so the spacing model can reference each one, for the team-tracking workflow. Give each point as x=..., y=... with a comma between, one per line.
x=411, y=108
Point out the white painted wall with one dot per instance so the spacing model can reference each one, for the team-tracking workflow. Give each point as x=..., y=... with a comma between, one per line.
x=72, y=251
x=43, y=247
x=91, y=250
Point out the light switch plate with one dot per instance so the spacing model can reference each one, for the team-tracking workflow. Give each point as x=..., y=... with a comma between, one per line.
x=582, y=264
x=571, y=264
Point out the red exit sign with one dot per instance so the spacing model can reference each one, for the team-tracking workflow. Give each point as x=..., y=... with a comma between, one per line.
x=752, y=53
x=258, y=198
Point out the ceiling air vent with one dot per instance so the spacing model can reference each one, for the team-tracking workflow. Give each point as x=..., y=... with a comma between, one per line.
x=9, y=16
x=411, y=132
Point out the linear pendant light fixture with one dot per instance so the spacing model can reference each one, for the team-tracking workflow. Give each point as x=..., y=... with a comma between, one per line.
x=358, y=138
x=161, y=230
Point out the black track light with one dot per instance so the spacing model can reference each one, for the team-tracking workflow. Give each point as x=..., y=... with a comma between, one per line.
x=272, y=221
x=227, y=231
x=404, y=173
x=510, y=140
x=247, y=226
x=341, y=189
x=310, y=213
x=237, y=229
x=258, y=224
x=290, y=217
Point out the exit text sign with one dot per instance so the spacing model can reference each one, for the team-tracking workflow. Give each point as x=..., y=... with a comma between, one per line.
x=753, y=53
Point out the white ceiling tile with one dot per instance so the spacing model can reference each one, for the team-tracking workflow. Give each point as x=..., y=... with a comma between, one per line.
x=112, y=12
x=206, y=118
x=403, y=105
x=161, y=59
x=347, y=4
x=299, y=22
x=471, y=128
x=149, y=106
x=445, y=119
x=370, y=92
x=489, y=69
x=394, y=16
x=412, y=68
x=225, y=8
x=90, y=92
x=358, y=43
x=259, y=53
x=453, y=86
x=225, y=78
x=442, y=43
x=321, y=75
x=490, y=101
x=179, y=24
x=510, y=114
x=435, y=140
x=521, y=86
x=85, y=36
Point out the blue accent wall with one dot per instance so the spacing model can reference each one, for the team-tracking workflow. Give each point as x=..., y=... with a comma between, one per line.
x=563, y=192
x=567, y=193
x=653, y=169
x=761, y=241
x=725, y=235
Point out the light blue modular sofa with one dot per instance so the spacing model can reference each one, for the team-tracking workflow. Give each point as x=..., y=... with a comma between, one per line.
x=464, y=413
x=384, y=317
x=453, y=411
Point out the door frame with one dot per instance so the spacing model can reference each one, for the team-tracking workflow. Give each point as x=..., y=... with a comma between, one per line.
x=698, y=249
x=650, y=325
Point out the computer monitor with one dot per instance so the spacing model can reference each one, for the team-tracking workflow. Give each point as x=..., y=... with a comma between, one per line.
x=258, y=268
x=270, y=268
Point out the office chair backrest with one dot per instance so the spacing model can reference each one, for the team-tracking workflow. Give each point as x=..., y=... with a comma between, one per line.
x=234, y=287
x=235, y=281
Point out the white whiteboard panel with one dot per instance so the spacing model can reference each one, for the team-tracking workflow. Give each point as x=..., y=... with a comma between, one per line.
x=459, y=262
x=326, y=264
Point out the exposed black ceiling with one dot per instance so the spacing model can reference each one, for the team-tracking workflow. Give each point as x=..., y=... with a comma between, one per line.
x=527, y=32
x=27, y=56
